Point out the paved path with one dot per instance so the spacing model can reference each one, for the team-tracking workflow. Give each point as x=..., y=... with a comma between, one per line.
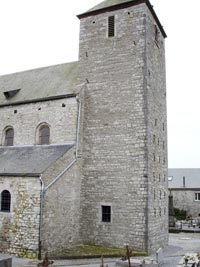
x=179, y=245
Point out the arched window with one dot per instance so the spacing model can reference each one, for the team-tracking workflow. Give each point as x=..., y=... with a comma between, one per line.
x=44, y=135
x=9, y=137
x=5, y=200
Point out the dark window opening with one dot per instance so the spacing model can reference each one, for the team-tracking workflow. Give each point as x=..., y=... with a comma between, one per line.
x=106, y=213
x=9, y=137
x=160, y=212
x=111, y=26
x=155, y=212
x=157, y=36
x=5, y=200
x=44, y=135
x=156, y=33
x=163, y=144
x=10, y=94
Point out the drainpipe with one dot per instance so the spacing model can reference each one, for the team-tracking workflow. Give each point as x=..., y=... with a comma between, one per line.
x=44, y=189
x=41, y=215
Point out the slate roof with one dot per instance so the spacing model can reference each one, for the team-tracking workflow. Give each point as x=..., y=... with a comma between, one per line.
x=39, y=83
x=108, y=3
x=29, y=160
x=192, y=178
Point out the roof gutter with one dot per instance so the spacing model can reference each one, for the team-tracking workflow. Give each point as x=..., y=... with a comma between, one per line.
x=37, y=100
x=45, y=188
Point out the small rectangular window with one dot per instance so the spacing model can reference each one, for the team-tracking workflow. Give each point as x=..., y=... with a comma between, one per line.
x=111, y=26
x=106, y=213
x=197, y=196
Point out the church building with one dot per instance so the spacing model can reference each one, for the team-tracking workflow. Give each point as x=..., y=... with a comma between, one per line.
x=83, y=145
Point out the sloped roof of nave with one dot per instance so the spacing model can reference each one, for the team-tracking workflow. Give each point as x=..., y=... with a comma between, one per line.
x=39, y=83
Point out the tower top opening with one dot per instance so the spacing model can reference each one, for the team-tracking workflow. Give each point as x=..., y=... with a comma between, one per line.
x=112, y=5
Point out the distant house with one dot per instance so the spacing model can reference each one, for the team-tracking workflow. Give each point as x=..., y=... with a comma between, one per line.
x=184, y=185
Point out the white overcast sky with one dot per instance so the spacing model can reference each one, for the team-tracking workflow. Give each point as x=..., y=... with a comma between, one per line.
x=38, y=33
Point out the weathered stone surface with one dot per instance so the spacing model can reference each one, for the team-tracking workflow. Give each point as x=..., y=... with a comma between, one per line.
x=185, y=200
x=6, y=262
x=122, y=159
x=61, y=119
x=124, y=165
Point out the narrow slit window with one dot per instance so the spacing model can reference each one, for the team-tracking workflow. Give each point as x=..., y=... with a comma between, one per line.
x=154, y=212
x=106, y=213
x=156, y=33
x=111, y=26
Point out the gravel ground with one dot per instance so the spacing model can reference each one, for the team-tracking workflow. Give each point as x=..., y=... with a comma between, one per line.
x=179, y=245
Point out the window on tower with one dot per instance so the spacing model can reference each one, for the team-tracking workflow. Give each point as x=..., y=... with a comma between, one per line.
x=111, y=26
x=106, y=213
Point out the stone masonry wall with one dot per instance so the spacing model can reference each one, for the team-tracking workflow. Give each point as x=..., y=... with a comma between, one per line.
x=61, y=209
x=59, y=114
x=114, y=129
x=157, y=136
x=185, y=199
x=19, y=228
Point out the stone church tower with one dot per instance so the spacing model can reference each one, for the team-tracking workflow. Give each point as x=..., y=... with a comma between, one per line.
x=83, y=145
x=124, y=151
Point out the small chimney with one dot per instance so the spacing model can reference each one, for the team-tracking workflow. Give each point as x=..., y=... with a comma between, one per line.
x=183, y=181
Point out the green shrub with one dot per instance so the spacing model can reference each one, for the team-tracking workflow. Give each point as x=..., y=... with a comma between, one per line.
x=180, y=214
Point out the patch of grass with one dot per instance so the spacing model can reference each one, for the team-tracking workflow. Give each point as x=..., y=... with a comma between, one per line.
x=92, y=251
